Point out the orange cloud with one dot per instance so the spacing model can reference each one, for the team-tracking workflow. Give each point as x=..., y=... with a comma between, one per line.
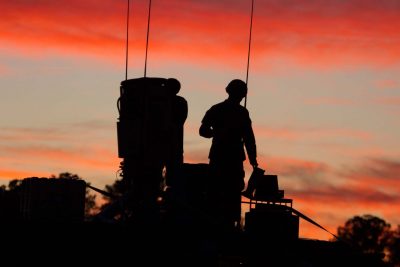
x=331, y=212
x=103, y=159
x=4, y=70
x=34, y=151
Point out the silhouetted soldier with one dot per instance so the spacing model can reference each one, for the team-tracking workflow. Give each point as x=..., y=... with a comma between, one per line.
x=229, y=124
x=179, y=114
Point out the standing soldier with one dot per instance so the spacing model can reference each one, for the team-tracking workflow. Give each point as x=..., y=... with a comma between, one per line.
x=229, y=125
x=179, y=114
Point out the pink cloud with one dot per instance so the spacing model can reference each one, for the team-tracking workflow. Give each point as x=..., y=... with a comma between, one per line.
x=332, y=101
x=395, y=101
x=31, y=134
x=386, y=84
x=4, y=70
x=287, y=133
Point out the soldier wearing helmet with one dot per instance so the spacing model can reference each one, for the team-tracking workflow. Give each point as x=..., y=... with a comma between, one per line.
x=229, y=125
x=179, y=108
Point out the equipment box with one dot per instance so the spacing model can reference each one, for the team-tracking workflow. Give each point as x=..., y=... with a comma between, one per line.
x=272, y=222
x=52, y=200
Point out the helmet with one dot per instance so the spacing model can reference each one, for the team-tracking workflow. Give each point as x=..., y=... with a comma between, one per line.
x=237, y=87
x=174, y=85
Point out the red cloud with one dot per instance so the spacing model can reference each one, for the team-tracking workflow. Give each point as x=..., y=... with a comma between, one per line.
x=313, y=33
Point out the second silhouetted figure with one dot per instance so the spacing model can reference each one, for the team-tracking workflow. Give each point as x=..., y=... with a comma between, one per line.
x=229, y=124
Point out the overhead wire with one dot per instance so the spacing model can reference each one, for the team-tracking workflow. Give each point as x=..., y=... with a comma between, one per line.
x=127, y=43
x=248, y=53
x=147, y=38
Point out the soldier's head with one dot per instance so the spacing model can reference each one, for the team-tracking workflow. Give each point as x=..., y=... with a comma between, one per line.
x=236, y=89
x=173, y=85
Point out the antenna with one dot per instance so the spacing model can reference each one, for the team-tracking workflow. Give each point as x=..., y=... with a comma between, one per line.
x=127, y=36
x=147, y=39
x=248, y=54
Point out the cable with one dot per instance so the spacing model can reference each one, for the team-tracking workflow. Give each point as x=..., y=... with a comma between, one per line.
x=248, y=54
x=105, y=193
x=301, y=215
x=127, y=41
x=147, y=39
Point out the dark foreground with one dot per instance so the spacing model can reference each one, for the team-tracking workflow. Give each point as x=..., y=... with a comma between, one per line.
x=161, y=245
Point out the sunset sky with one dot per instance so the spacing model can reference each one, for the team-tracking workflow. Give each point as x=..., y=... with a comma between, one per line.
x=324, y=90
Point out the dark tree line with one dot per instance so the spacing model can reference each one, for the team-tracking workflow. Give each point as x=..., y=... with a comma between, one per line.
x=374, y=237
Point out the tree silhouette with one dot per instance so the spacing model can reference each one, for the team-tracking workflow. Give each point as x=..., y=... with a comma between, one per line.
x=394, y=248
x=117, y=190
x=367, y=233
x=14, y=184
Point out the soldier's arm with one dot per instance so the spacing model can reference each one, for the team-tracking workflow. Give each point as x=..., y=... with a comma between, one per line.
x=183, y=110
x=206, y=129
x=250, y=143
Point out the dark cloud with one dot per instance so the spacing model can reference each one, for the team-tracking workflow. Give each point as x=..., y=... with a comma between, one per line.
x=383, y=168
x=299, y=172
x=373, y=182
x=374, y=169
x=344, y=194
